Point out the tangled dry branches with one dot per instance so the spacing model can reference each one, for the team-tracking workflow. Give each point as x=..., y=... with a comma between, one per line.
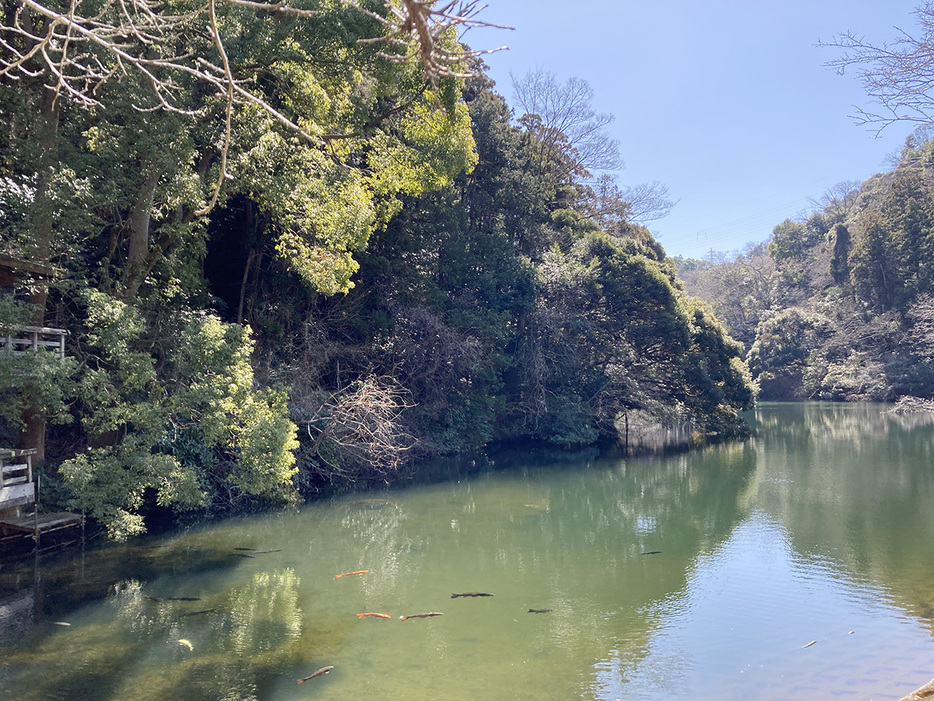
x=357, y=432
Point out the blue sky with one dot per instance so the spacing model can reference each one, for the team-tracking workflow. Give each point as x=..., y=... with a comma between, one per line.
x=727, y=102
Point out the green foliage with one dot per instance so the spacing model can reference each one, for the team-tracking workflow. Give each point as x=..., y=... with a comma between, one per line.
x=39, y=383
x=424, y=274
x=613, y=334
x=783, y=344
x=133, y=411
x=846, y=290
x=791, y=240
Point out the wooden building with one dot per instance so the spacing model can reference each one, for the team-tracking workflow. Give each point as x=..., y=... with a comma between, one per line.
x=21, y=519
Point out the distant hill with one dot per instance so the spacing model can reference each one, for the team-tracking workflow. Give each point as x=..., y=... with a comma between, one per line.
x=839, y=305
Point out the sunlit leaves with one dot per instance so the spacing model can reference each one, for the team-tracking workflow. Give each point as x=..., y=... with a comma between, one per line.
x=145, y=431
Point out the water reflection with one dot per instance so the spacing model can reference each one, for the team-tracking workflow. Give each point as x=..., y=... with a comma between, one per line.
x=702, y=574
x=855, y=487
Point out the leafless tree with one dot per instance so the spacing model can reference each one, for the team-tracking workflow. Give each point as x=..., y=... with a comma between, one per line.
x=896, y=75
x=608, y=204
x=839, y=199
x=565, y=113
x=417, y=27
x=648, y=202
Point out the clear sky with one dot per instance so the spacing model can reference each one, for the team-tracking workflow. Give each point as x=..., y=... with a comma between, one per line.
x=727, y=102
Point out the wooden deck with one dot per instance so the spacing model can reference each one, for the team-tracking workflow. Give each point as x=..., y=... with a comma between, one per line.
x=17, y=490
x=43, y=523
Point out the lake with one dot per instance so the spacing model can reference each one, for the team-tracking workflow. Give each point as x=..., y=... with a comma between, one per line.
x=796, y=565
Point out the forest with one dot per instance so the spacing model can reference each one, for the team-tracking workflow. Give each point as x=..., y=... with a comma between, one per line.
x=839, y=304
x=301, y=248
x=310, y=247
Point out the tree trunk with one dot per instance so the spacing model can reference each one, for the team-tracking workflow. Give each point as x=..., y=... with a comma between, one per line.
x=33, y=435
x=41, y=249
x=137, y=266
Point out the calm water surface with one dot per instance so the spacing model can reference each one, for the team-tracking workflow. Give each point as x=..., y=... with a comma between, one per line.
x=797, y=565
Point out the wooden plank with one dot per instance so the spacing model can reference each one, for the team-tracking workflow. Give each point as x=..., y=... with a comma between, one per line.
x=10, y=469
x=16, y=473
x=17, y=495
x=9, y=453
x=45, y=522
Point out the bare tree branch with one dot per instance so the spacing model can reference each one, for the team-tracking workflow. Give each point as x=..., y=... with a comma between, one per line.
x=76, y=55
x=416, y=28
x=563, y=118
x=898, y=75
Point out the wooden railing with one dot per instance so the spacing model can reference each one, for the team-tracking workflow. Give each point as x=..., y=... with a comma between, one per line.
x=16, y=485
x=22, y=339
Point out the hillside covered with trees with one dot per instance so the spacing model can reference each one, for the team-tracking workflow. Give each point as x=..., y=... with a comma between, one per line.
x=840, y=304
x=308, y=246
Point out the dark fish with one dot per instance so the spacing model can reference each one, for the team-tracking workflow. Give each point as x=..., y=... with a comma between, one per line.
x=198, y=613
x=244, y=548
x=471, y=593
x=323, y=670
x=243, y=555
x=540, y=610
x=172, y=598
x=263, y=552
x=653, y=552
x=421, y=615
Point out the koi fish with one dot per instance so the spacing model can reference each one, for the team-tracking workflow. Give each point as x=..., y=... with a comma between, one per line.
x=184, y=642
x=323, y=670
x=375, y=615
x=540, y=610
x=421, y=615
x=813, y=642
x=471, y=593
x=347, y=574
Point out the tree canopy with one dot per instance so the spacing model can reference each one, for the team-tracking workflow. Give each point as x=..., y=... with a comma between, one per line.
x=300, y=247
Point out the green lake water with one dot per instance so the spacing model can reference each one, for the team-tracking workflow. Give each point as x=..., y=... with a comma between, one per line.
x=796, y=565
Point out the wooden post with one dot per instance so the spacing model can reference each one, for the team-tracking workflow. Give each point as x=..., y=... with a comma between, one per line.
x=36, y=510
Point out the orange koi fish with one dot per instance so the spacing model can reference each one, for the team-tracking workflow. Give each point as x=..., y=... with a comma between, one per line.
x=347, y=574
x=375, y=615
x=421, y=615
